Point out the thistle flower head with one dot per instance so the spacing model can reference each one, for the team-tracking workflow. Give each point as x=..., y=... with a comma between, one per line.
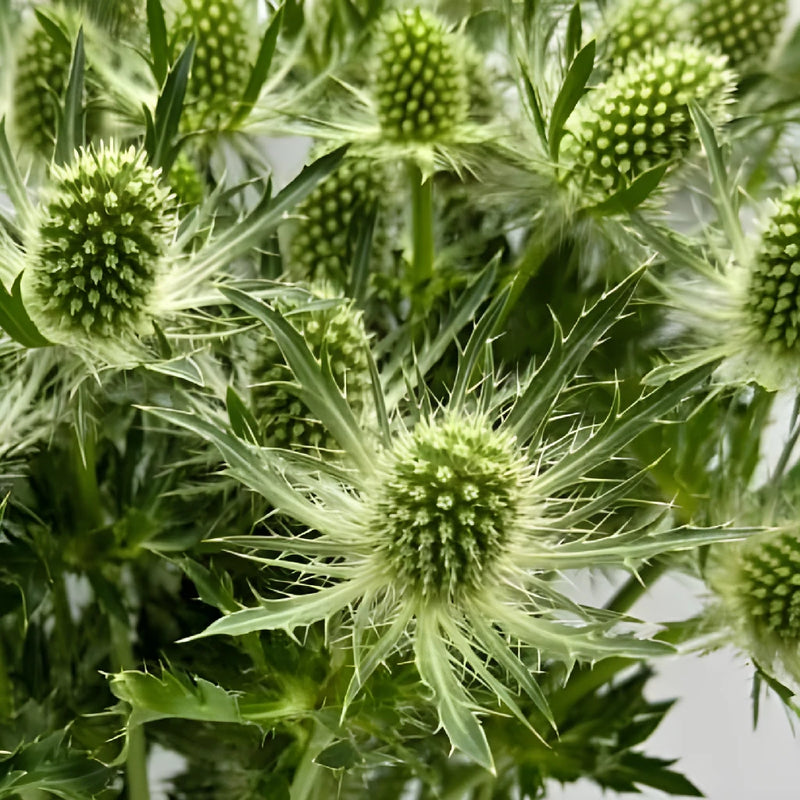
x=773, y=299
x=186, y=181
x=635, y=26
x=96, y=254
x=338, y=331
x=420, y=82
x=744, y=30
x=221, y=64
x=758, y=586
x=447, y=502
x=40, y=78
x=322, y=240
x=640, y=119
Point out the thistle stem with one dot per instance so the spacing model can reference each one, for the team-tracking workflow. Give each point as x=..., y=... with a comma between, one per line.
x=87, y=492
x=136, y=762
x=421, y=229
x=636, y=586
x=308, y=773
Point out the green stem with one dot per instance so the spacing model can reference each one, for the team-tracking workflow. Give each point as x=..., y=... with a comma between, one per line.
x=421, y=228
x=308, y=773
x=6, y=696
x=585, y=682
x=136, y=762
x=636, y=586
x=87, y=493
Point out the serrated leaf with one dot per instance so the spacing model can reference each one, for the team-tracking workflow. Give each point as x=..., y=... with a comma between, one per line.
x=571, y=91
x=14, y=319
x=339, y=755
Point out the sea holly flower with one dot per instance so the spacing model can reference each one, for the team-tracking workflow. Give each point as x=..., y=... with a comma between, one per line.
x=442, y=528
x=337, y=330
x=758, y=591
x=639, y=119
x=745, y=309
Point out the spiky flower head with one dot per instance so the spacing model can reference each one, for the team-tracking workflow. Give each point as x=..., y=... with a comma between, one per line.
x=744, y=30
x=420, y=82
x=94, y=259
x=323, y=236
x=635, y=26
x=41, y=73
x=447, y=502
x=758, y=584
x=222, y=57
x=639, y=118
x=773, y=299
x=186, y=181
x=336, y=329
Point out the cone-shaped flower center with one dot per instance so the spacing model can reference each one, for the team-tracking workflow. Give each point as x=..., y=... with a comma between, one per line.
x=101, y=236
x=744, y=30
x=774, y=296
x=448, y=505
x=640, y=117
x=421, y=82
x=771, y=583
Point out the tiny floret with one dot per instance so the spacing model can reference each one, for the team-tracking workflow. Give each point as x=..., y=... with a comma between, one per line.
x=447, y=505
x=103, y=229
x=421, y=78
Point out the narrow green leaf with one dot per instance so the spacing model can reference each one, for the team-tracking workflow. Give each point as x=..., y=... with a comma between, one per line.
x=533, y=406
x=14, y=319
x=318, y=389
x=359, y=272
x=11, y=179
x=629, y=197
x=574, y=31
x=71, y=127
x=460, y=724
x=53, y=30
x=571, y=91
x=534, y=106
x=243, y=423
x=160, y=143
x=159, y=50
x=724, y=198
x=258, y=74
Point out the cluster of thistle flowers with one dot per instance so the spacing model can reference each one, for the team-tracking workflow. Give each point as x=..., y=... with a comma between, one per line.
x=438, y=527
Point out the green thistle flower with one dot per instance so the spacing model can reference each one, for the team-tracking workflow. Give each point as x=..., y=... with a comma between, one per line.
x=222, y=57
x=421, y=82
x=446, y=529
x=640, y=119
x=774, y=297
x=96, y=254
x=40, y=79
x=758, y=583
x=337, y=330
x=323, y=237
x=744, y=30
x=635, y=26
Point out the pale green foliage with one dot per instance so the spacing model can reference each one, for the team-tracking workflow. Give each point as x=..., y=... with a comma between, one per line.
x=97, y=250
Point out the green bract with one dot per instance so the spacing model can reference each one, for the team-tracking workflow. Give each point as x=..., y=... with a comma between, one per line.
x=421, y=82
x=639, y=118
x=96, y=253
x=774, y=293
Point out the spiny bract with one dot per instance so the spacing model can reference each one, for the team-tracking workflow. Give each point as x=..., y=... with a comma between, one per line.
x=421, y=81
x=221, y=64
x=447, y=504
x=40, y=78
x=284, y=418
x=323, y=238
x=744, y=30
x=103, y=229
x=640, y=119
x=774, y=293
